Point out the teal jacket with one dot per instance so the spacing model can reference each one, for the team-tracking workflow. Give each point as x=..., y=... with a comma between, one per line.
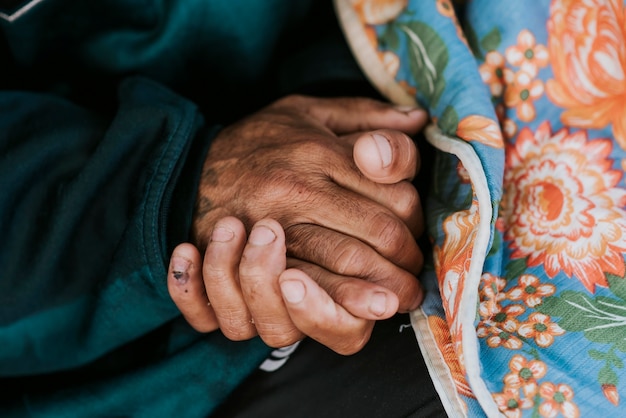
x=107, y=109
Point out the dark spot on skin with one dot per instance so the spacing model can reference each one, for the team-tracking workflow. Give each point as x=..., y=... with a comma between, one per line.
x=203, y=206
x=210, y=176
x=178, y=275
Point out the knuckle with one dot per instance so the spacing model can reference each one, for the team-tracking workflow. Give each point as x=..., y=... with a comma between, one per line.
x=215, y=274
x=354, y=345
x=406, y=200
x=276, y=339
x=235, y=326
x=350, y=258
x=391, y=233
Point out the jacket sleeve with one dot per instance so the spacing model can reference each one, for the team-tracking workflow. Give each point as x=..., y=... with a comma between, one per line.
x=84, y=205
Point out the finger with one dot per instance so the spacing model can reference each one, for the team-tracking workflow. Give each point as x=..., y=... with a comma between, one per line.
x=352, y=214
x=186, y=288
x=349, y=257
x=351, y=114
x=361, y=298
x=385, y=165
x=330, y=325
x=262, y=262
x=221, y=279
x=386, y=156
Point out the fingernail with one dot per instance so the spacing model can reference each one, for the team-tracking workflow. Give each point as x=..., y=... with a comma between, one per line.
x=378, y=303
x=180, y=269
x=415, y=112
x=384, y=149
x=221, y=234
x=404, y=108
x=261, y=235
x=293, y=290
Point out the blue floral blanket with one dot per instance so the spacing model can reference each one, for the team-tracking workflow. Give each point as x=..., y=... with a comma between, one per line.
x=526, y=306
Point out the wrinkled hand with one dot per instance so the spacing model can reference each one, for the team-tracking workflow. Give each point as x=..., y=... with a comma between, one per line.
x=288, y=163
x=340, y=227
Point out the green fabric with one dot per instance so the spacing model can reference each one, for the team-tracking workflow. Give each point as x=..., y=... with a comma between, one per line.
x=83, y=220
x=106, y=113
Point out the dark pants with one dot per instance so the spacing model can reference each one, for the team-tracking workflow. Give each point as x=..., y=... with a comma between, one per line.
x=388, y=378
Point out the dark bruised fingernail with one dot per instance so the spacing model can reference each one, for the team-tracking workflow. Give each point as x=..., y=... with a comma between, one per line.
x=180, y=269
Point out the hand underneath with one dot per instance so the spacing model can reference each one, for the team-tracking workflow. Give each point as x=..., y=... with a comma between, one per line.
x=252, y=293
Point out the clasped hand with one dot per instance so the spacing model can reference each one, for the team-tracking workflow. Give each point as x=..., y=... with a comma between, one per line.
x=323, y=186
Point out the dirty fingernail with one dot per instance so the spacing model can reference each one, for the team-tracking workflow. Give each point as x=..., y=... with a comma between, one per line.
x=384, y=149
x=261, y=235
x=378, y=303
x=293, y=291
x=221, y=234
x=180, y=269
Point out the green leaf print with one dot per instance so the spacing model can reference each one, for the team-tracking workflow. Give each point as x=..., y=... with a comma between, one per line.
x=617, y=285
x=515, y=268
x=601, y=319
x=449, y=121
x=495, y=244
x=428, y=55
x=491, y=41
x=389, y=38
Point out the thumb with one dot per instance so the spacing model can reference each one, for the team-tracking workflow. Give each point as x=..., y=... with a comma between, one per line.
x=386, y=156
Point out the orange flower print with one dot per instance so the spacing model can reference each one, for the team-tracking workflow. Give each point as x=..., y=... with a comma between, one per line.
x=557, y=399
x=509, y=128
x=524, y=375
x=587, y=44
x=521, y=92
x=562, y=207
x=491, y=294
x=411, y=90
x=492, y=72
x=540, y=327
x=510, y=403
x=378, y=12
x=498, y=330
x=444, y=343
x=461, y=171
x=453, y=258
x=527, y=55
x=389, y=59
x=496, y=337
x=506, y=319
x=610, y=392
x=481, y=129
x=508, y=125
x=531, y=290
x=446, y=8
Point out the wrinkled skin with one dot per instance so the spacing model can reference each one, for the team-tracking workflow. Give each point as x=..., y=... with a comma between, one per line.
x=333, y=223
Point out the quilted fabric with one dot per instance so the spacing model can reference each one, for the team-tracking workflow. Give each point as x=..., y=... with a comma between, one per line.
x=526, y=306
